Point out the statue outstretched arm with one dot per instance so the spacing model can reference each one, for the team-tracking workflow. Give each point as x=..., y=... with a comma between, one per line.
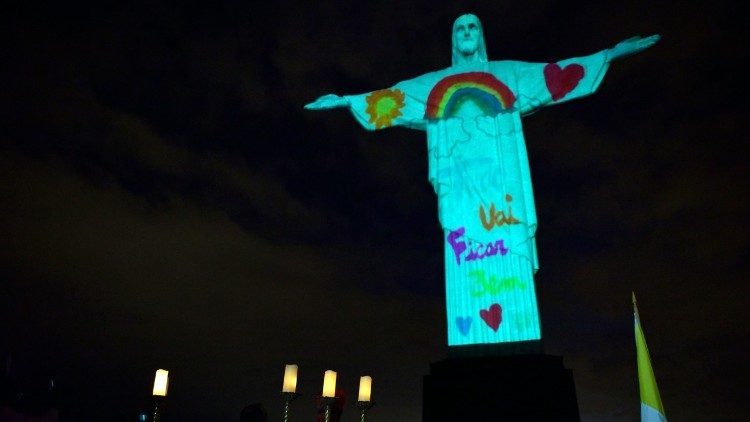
x=631, y=46
x=328, y=101
x=401, y=105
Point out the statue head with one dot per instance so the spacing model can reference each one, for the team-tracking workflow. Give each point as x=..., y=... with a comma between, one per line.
x=468, y=40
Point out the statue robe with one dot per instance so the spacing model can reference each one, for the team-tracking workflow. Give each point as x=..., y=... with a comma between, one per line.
x=479, y=170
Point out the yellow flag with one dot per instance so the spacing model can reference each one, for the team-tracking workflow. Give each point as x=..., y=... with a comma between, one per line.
x=651, y=407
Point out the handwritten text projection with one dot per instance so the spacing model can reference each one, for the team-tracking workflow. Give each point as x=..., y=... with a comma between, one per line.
x=476, y=250
x=497, y=218
x=493, y=284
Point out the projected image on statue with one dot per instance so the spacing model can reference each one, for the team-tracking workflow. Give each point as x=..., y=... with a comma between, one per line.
x=479, y=170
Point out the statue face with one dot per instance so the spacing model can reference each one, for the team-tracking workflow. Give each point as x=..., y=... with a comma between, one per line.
x=467, y=34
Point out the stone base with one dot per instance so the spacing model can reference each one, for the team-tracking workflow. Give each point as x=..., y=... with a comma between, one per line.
x=527, y=387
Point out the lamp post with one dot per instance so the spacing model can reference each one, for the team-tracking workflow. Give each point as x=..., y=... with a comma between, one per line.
x=161, y=382
x=289, y=389
x=329, y=393
x=363, y=400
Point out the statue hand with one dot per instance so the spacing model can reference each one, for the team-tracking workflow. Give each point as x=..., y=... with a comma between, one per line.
x=327, y=101
x=632, y=46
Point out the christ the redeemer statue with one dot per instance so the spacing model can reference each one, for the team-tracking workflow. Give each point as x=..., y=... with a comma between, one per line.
x=478, y=167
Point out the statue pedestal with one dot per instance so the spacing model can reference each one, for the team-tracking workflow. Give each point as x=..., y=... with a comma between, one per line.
x=528, y=387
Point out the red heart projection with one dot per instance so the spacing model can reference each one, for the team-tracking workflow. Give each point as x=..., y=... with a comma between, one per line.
x=561, y=81
x=492, y=316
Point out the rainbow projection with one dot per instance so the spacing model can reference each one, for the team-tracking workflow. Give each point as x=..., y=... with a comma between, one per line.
x=479, y=170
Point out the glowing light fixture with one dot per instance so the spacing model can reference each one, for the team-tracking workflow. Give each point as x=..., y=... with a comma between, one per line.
x=329, y=384
x=290, y=379
x=365, y=388
x=161, y=381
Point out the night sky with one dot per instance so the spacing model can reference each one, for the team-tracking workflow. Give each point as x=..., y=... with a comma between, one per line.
x=168, y=203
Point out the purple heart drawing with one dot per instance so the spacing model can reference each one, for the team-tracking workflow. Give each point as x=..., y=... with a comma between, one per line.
x=464, y=324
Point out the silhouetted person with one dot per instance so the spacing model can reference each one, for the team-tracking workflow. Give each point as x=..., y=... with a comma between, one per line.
x=254, y=413
x=28, y=395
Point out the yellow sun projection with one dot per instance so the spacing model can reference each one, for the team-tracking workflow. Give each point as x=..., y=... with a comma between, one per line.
x=383, y=106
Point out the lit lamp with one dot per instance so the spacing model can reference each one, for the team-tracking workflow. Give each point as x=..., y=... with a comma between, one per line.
x=329, y=393
x=161, y=382
x=363, y=400
x=289, y=389
x=329, y=384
